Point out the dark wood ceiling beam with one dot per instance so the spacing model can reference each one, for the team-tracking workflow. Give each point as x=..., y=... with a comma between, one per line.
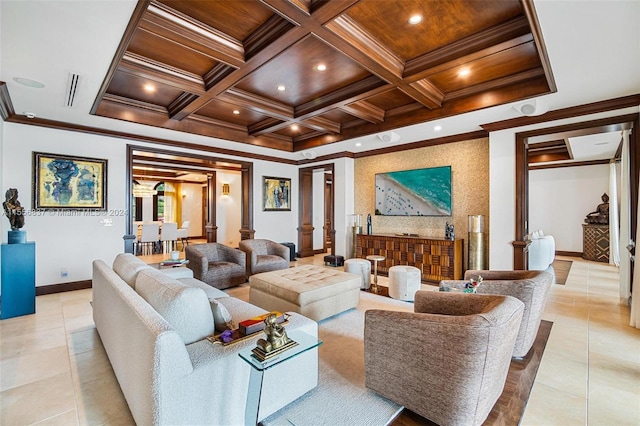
x=215, y=74
x=161, y=73
x=257, y=103
x=370, y=50
x=360, y=90
x=346, y=36
x=221, y=46
x=509, y=80
x=532, y=17
x=478, y=45
x=180, y=102
x=544, y=157
x=260, y=58
x=269, y=32
x=364, y=111
x=300, y=13
x=322, y=124
x=218, y=123
x=268, y=125
x=127, y=103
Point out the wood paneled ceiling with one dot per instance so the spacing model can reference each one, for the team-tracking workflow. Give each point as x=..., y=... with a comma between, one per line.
x=252, y=71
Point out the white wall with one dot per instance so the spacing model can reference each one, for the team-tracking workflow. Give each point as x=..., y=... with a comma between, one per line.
x=559, y=200
x=502, y=186
x=279, y=226
x=318, y=209
x=64, y=241
x=73, y=242
x=229, y=208
x=344, y=190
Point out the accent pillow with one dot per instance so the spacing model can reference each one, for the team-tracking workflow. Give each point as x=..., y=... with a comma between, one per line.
x=221, y=316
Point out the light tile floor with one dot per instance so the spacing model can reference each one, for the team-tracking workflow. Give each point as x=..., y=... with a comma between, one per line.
x=54, y=371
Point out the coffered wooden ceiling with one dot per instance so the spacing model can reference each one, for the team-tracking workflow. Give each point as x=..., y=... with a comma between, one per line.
x=214, y=68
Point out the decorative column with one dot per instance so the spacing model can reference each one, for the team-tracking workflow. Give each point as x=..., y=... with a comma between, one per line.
x=477, y=243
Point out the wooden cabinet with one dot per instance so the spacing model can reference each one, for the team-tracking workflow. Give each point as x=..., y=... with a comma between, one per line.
x=437, y=259
x=595, y=242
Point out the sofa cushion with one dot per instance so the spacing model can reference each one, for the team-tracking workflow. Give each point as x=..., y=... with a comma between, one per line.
x=186, y=308
x=127, y=266
x=212, y=292
x=221, y=316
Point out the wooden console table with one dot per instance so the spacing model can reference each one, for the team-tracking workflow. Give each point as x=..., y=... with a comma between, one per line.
x=437, y=259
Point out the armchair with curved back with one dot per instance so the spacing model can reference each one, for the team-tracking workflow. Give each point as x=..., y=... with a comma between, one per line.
x=264, y=255
x=446, y=361
x=216, y=264
x=530, y=287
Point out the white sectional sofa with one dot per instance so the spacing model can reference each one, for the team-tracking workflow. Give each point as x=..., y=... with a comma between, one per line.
x=153, y=327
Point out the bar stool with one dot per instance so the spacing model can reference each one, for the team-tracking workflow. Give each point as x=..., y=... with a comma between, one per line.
x=375, y=258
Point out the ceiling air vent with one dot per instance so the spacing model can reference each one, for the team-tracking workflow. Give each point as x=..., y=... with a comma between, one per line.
x=73, y=83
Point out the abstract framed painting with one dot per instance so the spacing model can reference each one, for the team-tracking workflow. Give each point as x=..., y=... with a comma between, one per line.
x=69, y=182
x=276, y=194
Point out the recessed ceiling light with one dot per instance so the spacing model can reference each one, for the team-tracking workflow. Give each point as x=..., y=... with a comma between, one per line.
x=437, y=128
x=415, y=19
x=464, y=72
x=294, y=127
x=236, y=112
x=281, y=88
x=321, y=67
x=28, y=82
x=149, y=88
x=358, y=143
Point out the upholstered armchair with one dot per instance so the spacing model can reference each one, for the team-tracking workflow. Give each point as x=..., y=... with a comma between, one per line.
x=446, y=361
x=264, y=256
x=530, y=287
x=216, y=264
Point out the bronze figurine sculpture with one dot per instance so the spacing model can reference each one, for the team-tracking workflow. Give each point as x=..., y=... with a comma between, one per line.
x=601, y=215
x=276, y=334
x=13, y=210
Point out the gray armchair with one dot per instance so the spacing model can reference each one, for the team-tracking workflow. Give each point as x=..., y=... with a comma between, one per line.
x=264, y=256
x=530, y=287
x=216, y=264
x=446, y=361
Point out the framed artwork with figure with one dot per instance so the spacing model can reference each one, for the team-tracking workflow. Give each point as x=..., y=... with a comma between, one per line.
x=276, y=194
x=69, y=182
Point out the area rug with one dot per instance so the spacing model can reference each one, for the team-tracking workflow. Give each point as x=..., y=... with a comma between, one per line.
x=560, y=270
x=341, y=397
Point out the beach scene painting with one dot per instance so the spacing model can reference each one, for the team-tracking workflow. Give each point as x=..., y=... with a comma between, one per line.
x=419, y=192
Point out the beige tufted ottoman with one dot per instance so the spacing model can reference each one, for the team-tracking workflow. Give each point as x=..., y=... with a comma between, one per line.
x=312, y=291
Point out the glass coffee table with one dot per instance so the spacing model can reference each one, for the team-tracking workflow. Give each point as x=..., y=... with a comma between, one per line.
x=305, y=342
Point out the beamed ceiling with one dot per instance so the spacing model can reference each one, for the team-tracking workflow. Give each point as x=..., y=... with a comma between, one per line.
x=214, y=67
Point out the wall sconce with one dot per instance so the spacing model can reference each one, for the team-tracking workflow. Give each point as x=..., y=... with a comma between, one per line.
x=225, y=189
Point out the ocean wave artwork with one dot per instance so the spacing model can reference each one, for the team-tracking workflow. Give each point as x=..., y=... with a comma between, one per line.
x=419, y=192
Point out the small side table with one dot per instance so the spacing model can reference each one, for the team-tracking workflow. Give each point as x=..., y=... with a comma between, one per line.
x=375, y=258
x=174, y=263
x=305, y=342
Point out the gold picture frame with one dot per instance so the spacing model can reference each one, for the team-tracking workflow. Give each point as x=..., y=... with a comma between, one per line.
x=276, y=194
x=69, y=182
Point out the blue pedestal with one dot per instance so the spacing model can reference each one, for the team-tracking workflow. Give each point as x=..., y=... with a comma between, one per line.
x=18, y=280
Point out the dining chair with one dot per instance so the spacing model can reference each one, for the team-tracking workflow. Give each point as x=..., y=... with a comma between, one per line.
x=183, y=233
x=168, y=235
x=149, y=238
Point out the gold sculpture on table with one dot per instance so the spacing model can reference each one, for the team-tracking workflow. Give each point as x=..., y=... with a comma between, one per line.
x=276, y=341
